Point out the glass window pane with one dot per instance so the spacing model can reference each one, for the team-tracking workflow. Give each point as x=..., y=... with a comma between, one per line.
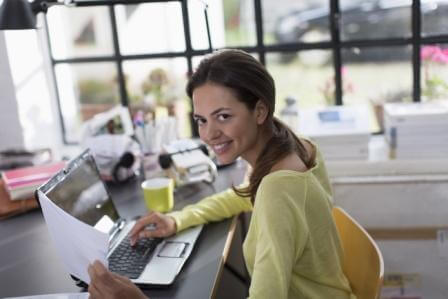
x=157, y=87
x=286, y=21
x=80, y=31
x=306, y=83
x=375, y=19
x=373, y=82
x=434, y=72
x=232, y=23
x=85, y=89
x=434, y=14
x=150, y=28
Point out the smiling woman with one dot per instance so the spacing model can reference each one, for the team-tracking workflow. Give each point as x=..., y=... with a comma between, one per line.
x=292, y=248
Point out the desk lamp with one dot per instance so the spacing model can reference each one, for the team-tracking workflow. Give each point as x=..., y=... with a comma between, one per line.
x=21, y=14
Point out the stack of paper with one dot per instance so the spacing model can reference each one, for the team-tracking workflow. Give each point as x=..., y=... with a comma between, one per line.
x=77, y=243
x=417, y=130
x=342, y=132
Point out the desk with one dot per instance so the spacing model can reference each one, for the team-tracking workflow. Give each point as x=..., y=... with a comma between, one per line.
x=29, y=264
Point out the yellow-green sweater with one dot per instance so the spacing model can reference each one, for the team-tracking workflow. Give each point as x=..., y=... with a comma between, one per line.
x=292, y=249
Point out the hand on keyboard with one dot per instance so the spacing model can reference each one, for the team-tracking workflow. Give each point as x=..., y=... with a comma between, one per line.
x=131, y=261
x=161, y=226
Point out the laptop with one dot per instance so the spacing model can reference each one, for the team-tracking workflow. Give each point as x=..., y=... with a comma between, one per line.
x=79, y=191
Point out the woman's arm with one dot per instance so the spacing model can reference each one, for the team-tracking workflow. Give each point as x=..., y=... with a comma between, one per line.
x=213, y=208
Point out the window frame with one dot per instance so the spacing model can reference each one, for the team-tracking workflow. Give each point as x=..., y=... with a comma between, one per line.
x=336, y=45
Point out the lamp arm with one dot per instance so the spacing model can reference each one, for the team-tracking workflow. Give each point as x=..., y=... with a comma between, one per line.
x=38, y=6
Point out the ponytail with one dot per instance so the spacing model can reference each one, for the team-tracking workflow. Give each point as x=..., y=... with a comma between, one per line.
x=282, y=143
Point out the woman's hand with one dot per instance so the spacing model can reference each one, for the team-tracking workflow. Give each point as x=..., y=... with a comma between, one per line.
x=153, y=225
x=108, y=285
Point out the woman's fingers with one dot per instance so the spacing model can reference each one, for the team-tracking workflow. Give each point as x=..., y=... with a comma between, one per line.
x=120, y=278
x=94, y=293
x=141, y=224
x=156, y=233
x=108, y=285
x=151, y=226
x=99, y=275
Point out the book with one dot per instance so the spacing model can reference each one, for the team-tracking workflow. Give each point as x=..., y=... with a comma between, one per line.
x=22, y=182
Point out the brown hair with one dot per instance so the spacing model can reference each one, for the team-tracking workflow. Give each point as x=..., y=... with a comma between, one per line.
x=251, y=82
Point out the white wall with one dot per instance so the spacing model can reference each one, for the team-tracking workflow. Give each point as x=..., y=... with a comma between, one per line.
x=10, y=127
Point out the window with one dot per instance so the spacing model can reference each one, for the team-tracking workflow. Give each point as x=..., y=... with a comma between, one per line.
x=320, y=52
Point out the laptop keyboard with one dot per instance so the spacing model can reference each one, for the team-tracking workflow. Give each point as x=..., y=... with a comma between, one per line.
x=130, y=261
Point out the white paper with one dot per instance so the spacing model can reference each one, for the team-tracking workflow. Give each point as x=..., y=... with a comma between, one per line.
x=83, y=295
x=77, y=243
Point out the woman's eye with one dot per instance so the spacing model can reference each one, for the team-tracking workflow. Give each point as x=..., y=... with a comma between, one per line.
x=200, y=121
x=223, y=117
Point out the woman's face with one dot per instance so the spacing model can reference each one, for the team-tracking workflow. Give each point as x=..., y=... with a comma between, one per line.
x=225, y=123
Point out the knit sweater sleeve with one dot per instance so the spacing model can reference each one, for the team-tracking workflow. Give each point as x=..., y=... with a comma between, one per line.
x=213, y=208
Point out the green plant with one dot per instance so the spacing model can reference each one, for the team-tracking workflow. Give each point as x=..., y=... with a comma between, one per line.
x=92, y=91
x=157, y=85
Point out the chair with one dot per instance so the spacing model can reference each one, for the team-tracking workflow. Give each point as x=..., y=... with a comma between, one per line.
x=362, y=260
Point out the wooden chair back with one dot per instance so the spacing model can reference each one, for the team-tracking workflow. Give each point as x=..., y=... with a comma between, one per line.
x=363, y=262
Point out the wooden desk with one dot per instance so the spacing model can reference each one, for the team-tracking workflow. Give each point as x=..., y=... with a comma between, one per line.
x=29, y=264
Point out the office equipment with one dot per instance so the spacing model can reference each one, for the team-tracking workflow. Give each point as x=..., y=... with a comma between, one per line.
x=79, y=190
x=417, y=130
x=117, y=156
x=342, y=132
x=188, y=161
x=362, y=260
x=153, y=135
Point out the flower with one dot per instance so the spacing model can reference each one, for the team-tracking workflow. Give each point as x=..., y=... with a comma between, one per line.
x=329, y=88
x=434, y=86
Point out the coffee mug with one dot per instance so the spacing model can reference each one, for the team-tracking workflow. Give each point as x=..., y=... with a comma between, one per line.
x=158, y=194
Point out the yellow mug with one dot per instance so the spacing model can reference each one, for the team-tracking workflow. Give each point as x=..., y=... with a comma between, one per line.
x=158, y=194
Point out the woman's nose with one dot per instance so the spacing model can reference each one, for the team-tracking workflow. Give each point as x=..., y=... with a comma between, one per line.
x=210, y=132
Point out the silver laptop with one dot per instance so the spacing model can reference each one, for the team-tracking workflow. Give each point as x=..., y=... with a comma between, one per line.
x=79, y=190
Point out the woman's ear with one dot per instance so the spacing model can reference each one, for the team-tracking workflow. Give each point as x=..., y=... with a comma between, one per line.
x=261, y=112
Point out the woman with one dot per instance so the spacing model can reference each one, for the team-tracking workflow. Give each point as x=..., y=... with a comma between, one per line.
x=292, y=248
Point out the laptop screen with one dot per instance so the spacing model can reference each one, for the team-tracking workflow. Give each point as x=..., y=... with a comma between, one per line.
x=80, y=192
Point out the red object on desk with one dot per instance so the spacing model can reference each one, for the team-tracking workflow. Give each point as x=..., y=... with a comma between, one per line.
x=21, y=183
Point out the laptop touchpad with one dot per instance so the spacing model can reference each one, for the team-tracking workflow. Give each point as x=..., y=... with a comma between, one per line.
x=173, y=249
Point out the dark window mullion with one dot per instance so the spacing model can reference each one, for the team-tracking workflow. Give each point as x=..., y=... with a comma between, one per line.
x=188, y=47
x=335, y=37
x=259, y=27
x=189, y=54
x=118, y=58
x=416, y=44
